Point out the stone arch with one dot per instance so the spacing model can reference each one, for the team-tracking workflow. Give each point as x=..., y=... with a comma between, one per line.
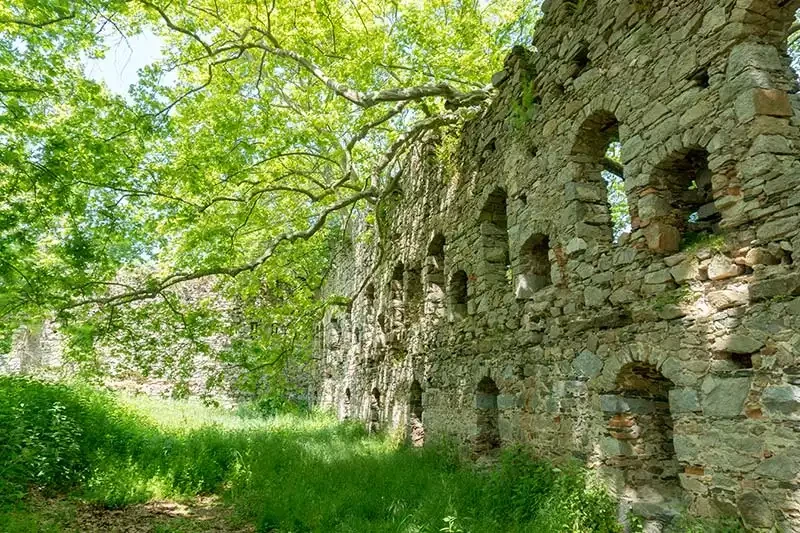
x=493, y=221
x=415, y=411
x=374, y=410
x=598, y=190
x=348, y=399
x=458, y=295
x=434, y=277
x=679, y=200
x=487, y=416
x=533, y=267
x=639, y=439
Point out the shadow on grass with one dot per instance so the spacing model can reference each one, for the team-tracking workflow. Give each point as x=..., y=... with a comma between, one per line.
x=285, y=474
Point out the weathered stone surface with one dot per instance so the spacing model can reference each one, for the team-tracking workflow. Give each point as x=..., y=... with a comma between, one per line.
x=723, y=267
x=683, y=400
x=782, y=400
x=755, y=511
x=662, y=238
x=783, y=466
x=686, y=270
x=724, y=397
x=760, y=256
x=601, y=361
x=778, y=286
x=587, y=365
x=727, y=298
x=739, y=344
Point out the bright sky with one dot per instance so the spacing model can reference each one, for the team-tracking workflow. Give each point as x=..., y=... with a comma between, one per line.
x=119, y=69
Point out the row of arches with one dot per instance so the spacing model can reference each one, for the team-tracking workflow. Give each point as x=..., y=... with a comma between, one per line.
x=636, y=415
x=674, y=201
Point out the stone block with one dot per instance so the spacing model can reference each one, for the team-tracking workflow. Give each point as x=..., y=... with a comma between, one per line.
x=686, y=271
x=662, y=238
x=727, y=298
x=782, y=400
x=683, y=400
x=575, y=246
x=611, y=447
x=614, y=403
x=778, y=286
x=724, y=397
x=506, y=401
x=595, y=296
x=783, y=466
x=658, y=277
x=652, y=206
x=738, y=344
x=723, y=267
x=760, y=256
x=778, y=228
x=755, y=511
x=752, y=55
x=587, y=365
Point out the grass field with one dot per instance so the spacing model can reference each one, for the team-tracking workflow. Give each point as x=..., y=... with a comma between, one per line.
x=75, y=457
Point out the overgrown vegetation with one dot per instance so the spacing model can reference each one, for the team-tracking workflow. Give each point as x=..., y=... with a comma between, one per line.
x=284, y=473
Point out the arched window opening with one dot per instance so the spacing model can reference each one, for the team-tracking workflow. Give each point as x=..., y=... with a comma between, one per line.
x=487, y=416
x=613, y=175
x=369, y=295
x=375, y=411
x=396, y=294
x=458, y=295
x=413, y=292
x=681, y=201
x=581, y=60
x=639, y=421
x=434, y=277
x=416, y=428
x=494, y=238
x=603, y=204
x=347, y=403
x=534, y=266
x=334, y=333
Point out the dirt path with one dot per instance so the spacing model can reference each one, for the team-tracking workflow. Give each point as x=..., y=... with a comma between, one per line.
x=199, y=515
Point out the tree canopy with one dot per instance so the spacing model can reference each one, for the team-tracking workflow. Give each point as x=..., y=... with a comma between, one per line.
x=237, y=157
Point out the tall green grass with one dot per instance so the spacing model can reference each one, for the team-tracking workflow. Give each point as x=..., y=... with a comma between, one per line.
x=285, y=473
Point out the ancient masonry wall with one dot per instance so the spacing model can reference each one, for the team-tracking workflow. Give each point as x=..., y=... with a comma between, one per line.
x=507, y=312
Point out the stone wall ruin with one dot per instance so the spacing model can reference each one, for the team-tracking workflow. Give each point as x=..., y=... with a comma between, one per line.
x=664, y=354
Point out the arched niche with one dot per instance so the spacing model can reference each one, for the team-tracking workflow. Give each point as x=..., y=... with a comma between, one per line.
x=487, y=416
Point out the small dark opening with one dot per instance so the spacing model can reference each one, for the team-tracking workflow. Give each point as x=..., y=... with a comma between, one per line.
x=347, y=403
x=581, y=60
x=700, y=78
x=416, y=428
x=458, y=295
x=374, y=411
x=434, y=277
x=369, y=294
x=534, y=266
x=487, y=416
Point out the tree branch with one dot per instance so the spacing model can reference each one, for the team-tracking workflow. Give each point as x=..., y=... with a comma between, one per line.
x=155, y=288
x=615, y=168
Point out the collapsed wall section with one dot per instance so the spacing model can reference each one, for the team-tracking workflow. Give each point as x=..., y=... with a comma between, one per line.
x=608, y=271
